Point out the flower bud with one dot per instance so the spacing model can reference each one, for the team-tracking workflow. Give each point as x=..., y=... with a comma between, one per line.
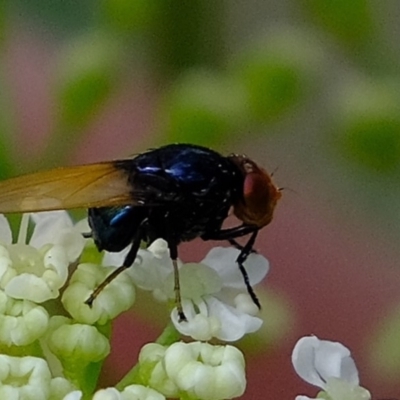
x=116, y=297
x=27, y=378
x=21, y=321
x=152, y=370
x=132, y=392
x=206, y=372
x=83, y=343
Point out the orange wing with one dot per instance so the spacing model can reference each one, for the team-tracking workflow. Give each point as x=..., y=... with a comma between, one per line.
x=92, y=185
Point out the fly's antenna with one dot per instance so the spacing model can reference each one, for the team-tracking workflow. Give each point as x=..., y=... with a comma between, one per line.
x=273, y=172
x=281, y=189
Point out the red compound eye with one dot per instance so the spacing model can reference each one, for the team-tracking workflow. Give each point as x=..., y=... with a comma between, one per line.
x=260, y=196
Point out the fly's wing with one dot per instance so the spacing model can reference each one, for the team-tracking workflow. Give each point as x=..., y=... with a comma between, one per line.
x=92, y=185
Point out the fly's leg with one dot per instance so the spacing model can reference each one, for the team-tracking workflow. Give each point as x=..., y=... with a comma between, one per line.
x=173, y=249
x=129, y=260
x=231, y=234
x=238, y=246
x=245, y=252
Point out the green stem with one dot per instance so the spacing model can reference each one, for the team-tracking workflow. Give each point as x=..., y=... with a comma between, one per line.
x=169, y=336
x=132, y=377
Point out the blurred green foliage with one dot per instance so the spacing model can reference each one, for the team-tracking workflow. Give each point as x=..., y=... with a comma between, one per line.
x=58, y=17
x=6, y=133
x=369, y=124
x=88, y=74
x=204, y=107
x=385, y=347
x=278, y=72
x=352, y=22
x=208, y=94
x=130, y=17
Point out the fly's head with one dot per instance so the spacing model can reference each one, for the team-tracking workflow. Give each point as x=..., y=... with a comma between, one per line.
x=259, y=194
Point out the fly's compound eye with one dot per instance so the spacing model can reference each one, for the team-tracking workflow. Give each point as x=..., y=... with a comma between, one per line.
x=259, y=196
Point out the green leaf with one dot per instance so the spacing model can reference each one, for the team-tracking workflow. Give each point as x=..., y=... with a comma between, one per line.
x=351, y=22
x=374, y=142
x=7, y=166
x=278, y=73
x=127, y=16
x=204, y=108
x=89, y=71
x=368, y=124
x=88, y=76
x=57, y=16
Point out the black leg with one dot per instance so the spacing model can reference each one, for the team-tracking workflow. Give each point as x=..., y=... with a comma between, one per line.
x=245, y=252
x=173, y=250
x=230, y=235
x=238, y=246
x=129, y=260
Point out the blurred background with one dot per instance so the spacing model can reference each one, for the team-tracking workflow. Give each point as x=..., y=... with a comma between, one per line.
x=309, y=89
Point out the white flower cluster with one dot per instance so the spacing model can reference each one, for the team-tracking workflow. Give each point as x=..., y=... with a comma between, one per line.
x=60, y=351
x=214, y=296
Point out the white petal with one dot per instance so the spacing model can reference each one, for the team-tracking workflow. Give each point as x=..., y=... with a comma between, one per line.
x=148, y=272
x=305, y=398
x=48, y=271
x=244, y=304
x=213, y=318
x=75, y=395
x=234, y=324
x=5, y=230
x=55, y=260
x=151, y=266
x=333, y=360
x=72, y=242
x=30, y=287
x=159, y=248
x=56, y=227
x=199, y=325
x=21, y=322
x=83, y=226
x=31, y=373
x=151, y=359
x=196, y=280
x=47, y=225
x=31, y=325
x=223, y=260
x=317, y=360
x=115, y=259
x=7, y=272
x=61, y=387
x=107, y=394
x=139, y=392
